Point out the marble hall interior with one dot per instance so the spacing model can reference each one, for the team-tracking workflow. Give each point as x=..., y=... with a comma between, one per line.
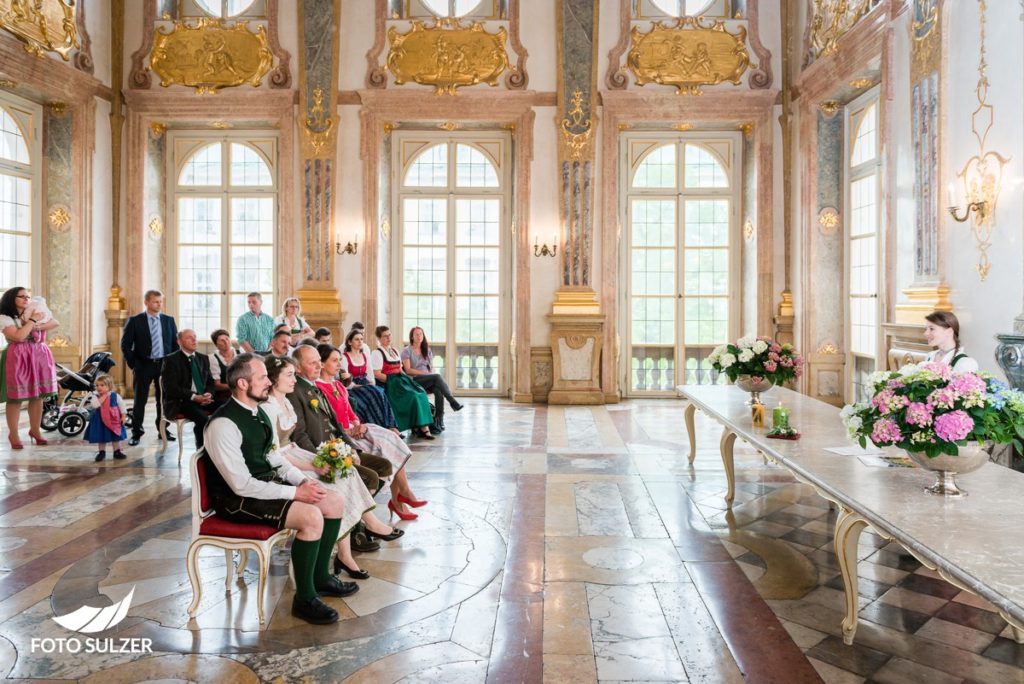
x=576, y=203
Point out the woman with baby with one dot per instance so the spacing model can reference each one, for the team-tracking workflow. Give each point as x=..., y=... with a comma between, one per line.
x=27, y=371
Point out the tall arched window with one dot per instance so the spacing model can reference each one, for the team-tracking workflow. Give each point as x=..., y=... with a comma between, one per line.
x=863, y=221
x=451, y=264
x=224, y=206
x=19, y=187
x=681, y=261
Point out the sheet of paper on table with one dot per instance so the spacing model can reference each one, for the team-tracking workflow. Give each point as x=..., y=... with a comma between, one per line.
x=894, y=461
x=854, y=450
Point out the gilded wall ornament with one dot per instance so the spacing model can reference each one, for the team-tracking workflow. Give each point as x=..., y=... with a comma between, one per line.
x=43, y=25
x=58, y=342
x=859, y=83
x=828, y=348
x=319, y=125
x=828, y=221
x=7, y=84
x=59, y=218
x=57, y=108
x=211, y=55
x=830, y=21
x=576, y=132
x=926, y=18
x=688, y=55
x=448, y=126
x=157, y=129
x=747, y=128
x=220, y=125
x=682, y=127
x=748, y=230
x=829, y=107
x=156, y=227
x=447, y=55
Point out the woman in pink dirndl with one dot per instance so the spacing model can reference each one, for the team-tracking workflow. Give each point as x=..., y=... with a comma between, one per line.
x=27, y=371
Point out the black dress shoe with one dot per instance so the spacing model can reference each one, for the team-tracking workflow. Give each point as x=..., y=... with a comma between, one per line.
x=395, y=534
x=340, y=567
x=134, y=441
x=436, y=429
x=314, y=611
x=100, y=455
x=119, y=455
x=335, y=587
x=457, y=406
x=363, y=544
x=171, y=438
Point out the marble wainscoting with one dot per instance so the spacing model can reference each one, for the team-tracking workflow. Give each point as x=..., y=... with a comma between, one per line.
x=560, y=544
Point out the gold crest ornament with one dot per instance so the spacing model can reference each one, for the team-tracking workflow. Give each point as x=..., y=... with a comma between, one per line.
x=576, y=144
x=831, y=20
x=211, y=55
x=43, y=25
x=447, y=55
x=688, y=55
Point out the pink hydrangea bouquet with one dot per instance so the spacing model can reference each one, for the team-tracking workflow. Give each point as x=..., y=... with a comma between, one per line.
x=758, y=357
x=930, y=409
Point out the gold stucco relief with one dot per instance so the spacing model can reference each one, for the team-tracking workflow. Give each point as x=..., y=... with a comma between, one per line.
x=210, y=55
x=43, y=25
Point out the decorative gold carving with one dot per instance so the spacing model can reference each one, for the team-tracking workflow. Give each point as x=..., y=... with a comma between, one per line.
x=388, y=127
x=682, y=127
x=859, y=83
x=220, y=125
x=747, y=128
x=448, y=126
x=786, y=305
x=156, y=227
x=59, y=341
x=926, y=18
x=509, y=127
x=625, y=126
x=7, y=84
x=43, y=25
x=447, y=55
x=157, y=129
x=59, y=218
x=828, y=348
x=831, y=20
x=385, y=228
x=748, y=230
x=688, y=55
x=211, y=55
x=319, y=125
x=576, y=144
x=576, y=341
x=829, y=107
x=57, y=108
x=828, y=221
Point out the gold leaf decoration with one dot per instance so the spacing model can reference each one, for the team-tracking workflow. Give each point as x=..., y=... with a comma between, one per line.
x=157, y=129
x=211, y=55
x=831, y=20
x=156, y=227
x=828, y=220
x=828, y=348
x=748, y=230
x=319, y=125
x=447, y=55
x=682, y=127
x=576, y=145
x=448, y=126
x=59, y=218
x=688, y=55
x=829, y=107
x=859, y=83
x=7, y=84
x=43, y=25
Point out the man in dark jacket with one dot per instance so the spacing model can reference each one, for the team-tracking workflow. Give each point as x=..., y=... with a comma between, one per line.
x=146, y=339
x=188, y=384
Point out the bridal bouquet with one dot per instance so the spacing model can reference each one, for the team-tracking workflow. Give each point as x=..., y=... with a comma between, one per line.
x=758, y=357
x=336, y=456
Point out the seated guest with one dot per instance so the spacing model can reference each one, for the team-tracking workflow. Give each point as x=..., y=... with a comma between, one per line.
x=368, y=399
x=252, y=484
x=370, y=438
x=280, y=345
x=408, y=400
x=187, y=384
x=417, y=362
x=297, y=326
x=942, y=331
x=358, y=501
x=219, y=362
x=323, y=336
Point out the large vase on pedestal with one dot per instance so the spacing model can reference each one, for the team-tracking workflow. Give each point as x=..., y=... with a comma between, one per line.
x=1010, y=357
x=754, y=385
x=947, y=467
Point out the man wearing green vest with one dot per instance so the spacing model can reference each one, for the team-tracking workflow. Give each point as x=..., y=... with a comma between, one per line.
x=252, y=484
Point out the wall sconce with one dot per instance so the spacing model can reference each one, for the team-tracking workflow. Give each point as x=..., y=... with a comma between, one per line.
x=350, y=248
x=979, y=204
x=544, y=250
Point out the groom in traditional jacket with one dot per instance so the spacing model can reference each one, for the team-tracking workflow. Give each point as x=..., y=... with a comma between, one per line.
x=252, y=484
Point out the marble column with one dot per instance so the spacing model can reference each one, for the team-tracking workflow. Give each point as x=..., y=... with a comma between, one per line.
x=319, y=24
x=116, y=312
x=577, y=324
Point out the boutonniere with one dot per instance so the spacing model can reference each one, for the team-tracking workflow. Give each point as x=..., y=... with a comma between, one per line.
x=314, y=403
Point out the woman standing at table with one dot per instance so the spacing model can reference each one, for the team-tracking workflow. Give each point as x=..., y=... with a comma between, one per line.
x=942, y=331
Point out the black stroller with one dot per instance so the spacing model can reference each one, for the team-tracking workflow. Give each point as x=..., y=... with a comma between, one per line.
x=70, y=414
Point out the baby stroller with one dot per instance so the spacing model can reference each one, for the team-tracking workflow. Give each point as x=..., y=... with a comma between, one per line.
x=70, y=414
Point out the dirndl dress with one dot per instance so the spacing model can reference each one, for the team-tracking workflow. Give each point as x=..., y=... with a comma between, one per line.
x=102, y=424
x=408, y=400
x=370, y=402
x=27, y=370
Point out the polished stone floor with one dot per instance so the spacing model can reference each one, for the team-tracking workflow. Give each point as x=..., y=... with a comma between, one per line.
x=561, y=544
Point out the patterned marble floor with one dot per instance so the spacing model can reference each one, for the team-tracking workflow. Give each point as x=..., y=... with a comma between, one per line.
x=561, y=544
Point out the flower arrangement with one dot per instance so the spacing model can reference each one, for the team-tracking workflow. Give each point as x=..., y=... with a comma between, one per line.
x=336, y=456
x=758, y=357
x=927, y=408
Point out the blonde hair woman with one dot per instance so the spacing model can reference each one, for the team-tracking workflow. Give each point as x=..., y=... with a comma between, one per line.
x=291, y=317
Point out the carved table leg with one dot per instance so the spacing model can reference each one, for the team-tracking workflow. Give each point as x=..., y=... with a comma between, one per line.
x=728, y=439
x=688, y=415
x=848, y=528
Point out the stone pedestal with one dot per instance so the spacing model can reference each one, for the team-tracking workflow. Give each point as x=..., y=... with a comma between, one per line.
x=577, y=331
x=322, y=309
x=116, y=318
x=1010, y=357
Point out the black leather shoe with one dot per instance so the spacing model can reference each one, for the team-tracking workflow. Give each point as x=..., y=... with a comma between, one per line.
x=314, y=611
x=395, y=534
x=340, y=567
x=457, y=406
x=171, y=438
x=134, y=441
x=119, y=455
x=335, y=587
x=361, y=543
x=100, y=455
x=436, y=429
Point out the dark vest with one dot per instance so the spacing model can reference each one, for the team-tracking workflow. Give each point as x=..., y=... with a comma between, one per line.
x=257, y=437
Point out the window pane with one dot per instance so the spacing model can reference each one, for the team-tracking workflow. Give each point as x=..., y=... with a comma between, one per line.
x=658, y=169
x=703, y=170
x=864, y=206
x=429, y=169
x=473, y=169
x=654, y=320
x=653, y=223
x=476, y=319
x=252, y=220
x=425, y=222
x=477, y=221
x=654, y=271
x=199, y=220
x=707, y=271
x=199, y=269
x=12, y=142
x=428, y=312
x=707, y=223
x=476, y=270
x=199, y=312
x=248, y=167
x=252, y=270
x=425, y=269
x=203, y=167
x=706, y=320
x=678, y=8
x=865, y=145
x=451, y=8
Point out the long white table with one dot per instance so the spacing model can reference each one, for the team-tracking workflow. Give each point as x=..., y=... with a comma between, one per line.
x=975, y=542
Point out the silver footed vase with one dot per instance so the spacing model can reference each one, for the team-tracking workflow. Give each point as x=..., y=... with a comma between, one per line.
x=747, y=383
x=946, y=467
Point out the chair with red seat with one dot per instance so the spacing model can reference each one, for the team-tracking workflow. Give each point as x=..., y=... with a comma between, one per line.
x=208, y=528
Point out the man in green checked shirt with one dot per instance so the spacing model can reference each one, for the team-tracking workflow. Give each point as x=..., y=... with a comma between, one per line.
x=255, y=328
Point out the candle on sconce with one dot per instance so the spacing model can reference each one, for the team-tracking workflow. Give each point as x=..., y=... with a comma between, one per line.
x=951, y=195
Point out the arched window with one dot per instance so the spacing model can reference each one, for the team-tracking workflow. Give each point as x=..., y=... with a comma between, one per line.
x=451, y=8
x=453, y=207
x=19, y=165
x=224, y=8
x=680, y=252
x=679, y=8
x=225, y=213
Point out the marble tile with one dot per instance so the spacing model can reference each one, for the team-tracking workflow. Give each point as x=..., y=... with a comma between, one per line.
x=857, y=658
x=893, y=616
x=702, y=648
x=955, y=635
x=567, y=629
x=649, y=560
x=970, y=599
x=600, y=510
x=1007, y=651
x=930, y=586
x=559, y=669
x=830, y=674
x=625, y=613
x=969, y=616
x=653, y=659
x=413, y=664
x=865, y=587
x=560, y=518
x=900, y=671
x=911, y=600
x=474, y=626
x=641, y=511
x=804, y=637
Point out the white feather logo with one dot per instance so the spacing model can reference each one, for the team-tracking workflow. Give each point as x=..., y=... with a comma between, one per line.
x=90, y=620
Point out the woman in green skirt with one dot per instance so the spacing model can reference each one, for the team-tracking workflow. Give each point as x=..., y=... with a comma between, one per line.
x=408, y=400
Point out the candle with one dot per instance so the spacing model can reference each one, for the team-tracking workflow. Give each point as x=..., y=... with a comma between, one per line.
x=757, y=415
x=951, y=195
x=780, y=417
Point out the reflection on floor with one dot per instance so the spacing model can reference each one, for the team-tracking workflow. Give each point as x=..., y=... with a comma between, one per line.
x=560, y=544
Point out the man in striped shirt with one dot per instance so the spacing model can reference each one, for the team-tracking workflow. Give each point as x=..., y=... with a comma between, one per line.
x=255, y=328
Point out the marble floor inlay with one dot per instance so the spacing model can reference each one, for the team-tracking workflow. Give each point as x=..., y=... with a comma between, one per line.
x=560, y=544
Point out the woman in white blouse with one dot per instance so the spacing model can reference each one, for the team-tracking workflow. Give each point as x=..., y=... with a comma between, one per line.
x=297, y=325
x=368, y=399
x=942, y=331
x=220, y=360
x=358, y=501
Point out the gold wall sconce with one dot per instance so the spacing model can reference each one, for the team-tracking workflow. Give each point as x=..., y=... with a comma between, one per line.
x=544, y=250
x=979, y=207
x=349, y=248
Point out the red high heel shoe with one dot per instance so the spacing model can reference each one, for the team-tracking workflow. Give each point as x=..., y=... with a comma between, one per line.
x=36, y=439
x=400, y=514
x=15, y=445
x=415, y=503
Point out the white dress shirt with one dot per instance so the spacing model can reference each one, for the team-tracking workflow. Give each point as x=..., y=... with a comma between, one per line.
x=964, y=365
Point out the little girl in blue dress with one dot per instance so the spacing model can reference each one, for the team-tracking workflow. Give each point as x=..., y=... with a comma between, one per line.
x=107, y=421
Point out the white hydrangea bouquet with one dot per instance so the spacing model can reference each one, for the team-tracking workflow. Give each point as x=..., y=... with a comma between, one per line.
x=758, y=357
